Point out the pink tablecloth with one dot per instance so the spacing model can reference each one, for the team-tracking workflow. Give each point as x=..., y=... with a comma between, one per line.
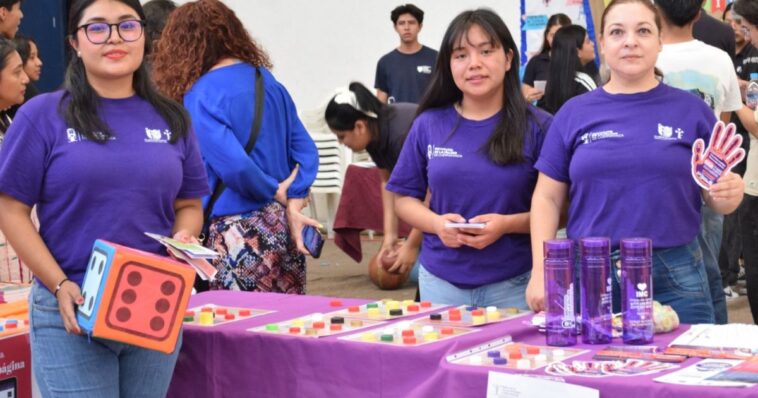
x=360, y=208
x=228, y=361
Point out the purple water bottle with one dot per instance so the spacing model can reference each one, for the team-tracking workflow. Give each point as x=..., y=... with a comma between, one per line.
x=597, y=316
x=637, y=290
x=560, y=317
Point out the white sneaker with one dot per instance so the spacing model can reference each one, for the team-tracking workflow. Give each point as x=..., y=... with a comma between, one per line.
x=730, y=294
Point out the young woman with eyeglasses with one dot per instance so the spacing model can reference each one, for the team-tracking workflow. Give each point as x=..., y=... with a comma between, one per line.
x=107, y=158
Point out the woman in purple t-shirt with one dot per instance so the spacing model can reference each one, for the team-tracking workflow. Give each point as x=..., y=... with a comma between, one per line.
x=620, y=156
x=107, y=158
x=473, y=146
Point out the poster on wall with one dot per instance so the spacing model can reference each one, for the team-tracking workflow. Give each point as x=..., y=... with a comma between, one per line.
x=534, y=16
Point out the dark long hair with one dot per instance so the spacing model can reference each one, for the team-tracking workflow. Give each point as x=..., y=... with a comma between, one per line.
x=564, y=63
x=342, y=117
x=506, y=143
x=555, y=19
x=23, y=46
x=79, y=105
x=6, y=50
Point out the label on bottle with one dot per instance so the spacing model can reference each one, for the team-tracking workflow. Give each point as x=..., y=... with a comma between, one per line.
x=569, y=316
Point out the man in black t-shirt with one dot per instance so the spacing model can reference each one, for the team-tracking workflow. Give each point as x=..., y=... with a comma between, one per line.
x=403, y=74
x=715, y=33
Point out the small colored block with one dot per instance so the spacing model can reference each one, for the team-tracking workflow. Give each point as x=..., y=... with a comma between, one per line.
x=493, y=354
x=206, y=309
x=387, y=338
x=335, y=327
x=493, y=316
x=188, y=319
x=393, y=305
x=372, y=305
x=447, y=331
x=532, y=350
x=478, y=319
x=244, y=312
x=454, y=311
x=221, y=311
x=491, y=308
x=477, y=312
x=431, y=336
x=409, y=340
x=335, y=303
x=396, y=312
x=319, y=325
x=515, y=355
x=353, y=309
x=337, y=319
x=413, y=308
x=512, y=311
x=356, y=323
x=298, y=322
x=523, y=364
x=499, y=361
x=206, y=318
x=456, y=317
x=11, y=325
x=408, y=333
x=427, y=329
x=558, y=353
x=470, y=308
x=229, y=317
x=435, y=317
x=311, y=332
x=408, y=302
x=272, y=327
x=373, y=311
x=368, y=337
x=426, y=304
x=294, y=330
x=189, y=313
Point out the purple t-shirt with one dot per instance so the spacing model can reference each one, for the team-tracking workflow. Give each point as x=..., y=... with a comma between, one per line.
x=85, y=190
x=447, y=154
x=626, y=159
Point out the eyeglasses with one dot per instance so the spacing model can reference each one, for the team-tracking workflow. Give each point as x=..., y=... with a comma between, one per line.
x=100, y=32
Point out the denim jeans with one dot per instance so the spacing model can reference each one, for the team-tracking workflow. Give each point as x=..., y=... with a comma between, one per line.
x=507, y=293
x=711, y=230
x=749, y=234
x=69, y=365
x=679, y=280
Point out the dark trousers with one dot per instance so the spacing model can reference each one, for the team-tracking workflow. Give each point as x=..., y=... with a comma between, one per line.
x=731, y=249
x=749, y=229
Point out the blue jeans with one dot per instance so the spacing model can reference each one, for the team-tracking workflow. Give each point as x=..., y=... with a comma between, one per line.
x=508, y=293
x=69, y=365
x=711, y=230
x=679, y=280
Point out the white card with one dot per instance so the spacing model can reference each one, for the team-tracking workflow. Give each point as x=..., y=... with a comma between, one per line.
x=504, y=385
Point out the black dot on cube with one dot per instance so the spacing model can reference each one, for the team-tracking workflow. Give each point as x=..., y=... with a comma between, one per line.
x=162, y=306
x=129, y=296
x=102, y=265
x=156, y=323
x=134, y=278
x=168, y=288
x=91, y=303
x=123, y=314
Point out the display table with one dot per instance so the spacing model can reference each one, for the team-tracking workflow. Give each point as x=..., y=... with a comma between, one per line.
x=229, y=361
x=360, y=208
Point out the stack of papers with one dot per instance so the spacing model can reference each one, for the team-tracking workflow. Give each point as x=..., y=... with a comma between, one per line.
x=12, y=292
x=192, y=254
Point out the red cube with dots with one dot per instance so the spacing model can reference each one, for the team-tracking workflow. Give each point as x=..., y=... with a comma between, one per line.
x=143, y=299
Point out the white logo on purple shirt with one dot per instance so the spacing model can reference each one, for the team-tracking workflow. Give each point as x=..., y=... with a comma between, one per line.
x=440, y=152
x=72, y=135
x=588, y=138
x=427, y=69
x=668, y=133
x=157, y=136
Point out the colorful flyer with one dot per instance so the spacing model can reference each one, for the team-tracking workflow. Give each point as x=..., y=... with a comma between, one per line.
x=722, y=154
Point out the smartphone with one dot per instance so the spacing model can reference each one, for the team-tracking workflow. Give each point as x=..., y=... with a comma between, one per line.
x=473, y=225
x=313, y=240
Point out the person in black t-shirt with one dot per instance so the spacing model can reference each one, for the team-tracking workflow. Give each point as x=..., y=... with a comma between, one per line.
x=362, y=122
x=402, y=75
x=713, y=32
x=538, y=66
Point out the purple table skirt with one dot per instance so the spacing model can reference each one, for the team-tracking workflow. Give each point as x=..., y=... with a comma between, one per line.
x=229, y=361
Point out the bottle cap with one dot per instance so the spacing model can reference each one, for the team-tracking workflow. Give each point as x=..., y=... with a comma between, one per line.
x=637, y=247
x=595, y=247
x=559, y=249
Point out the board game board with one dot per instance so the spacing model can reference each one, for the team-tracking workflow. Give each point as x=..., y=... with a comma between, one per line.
x=475, y=316
x=510, y=355
x=210, y=315
x=409, y=334
x=316, y=325
x=388, y=309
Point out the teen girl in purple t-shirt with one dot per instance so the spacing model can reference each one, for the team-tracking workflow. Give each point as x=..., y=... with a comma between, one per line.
x=620, y=156
x=105, y=158
x=473, y=146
